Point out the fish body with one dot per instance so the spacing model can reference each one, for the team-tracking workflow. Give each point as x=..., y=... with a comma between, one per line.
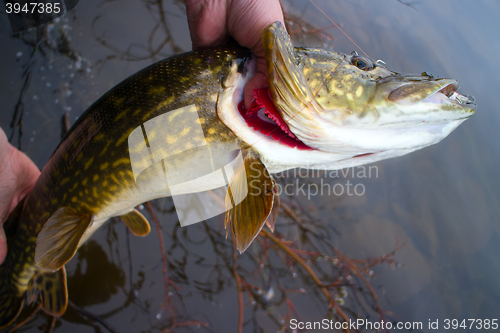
x=90, y=172
x=163, y=128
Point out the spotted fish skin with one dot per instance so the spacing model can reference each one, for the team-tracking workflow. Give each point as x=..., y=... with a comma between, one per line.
x=90, y=170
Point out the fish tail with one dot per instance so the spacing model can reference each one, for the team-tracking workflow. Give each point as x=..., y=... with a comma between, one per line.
x=47, y=287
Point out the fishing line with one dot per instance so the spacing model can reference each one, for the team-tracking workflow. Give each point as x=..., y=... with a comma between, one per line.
x=314, y=95
x=338, y=27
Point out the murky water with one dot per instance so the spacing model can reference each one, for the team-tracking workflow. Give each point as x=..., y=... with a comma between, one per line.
x=442, y=202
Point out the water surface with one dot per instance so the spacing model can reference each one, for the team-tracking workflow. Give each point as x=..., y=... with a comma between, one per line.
x=442, y=202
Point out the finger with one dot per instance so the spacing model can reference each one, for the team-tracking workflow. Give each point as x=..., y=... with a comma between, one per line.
x=207, y=22
x=26, y=174
x=18, y=175
x=248, y=18
x=7, y=177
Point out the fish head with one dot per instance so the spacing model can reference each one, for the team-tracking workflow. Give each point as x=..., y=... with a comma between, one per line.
x=353, y=105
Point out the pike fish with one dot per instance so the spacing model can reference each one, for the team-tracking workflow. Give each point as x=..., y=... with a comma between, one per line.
x=184, y=117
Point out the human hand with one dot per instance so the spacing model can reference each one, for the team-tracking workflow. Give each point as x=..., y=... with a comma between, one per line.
x=211, y=22
x=18, y=175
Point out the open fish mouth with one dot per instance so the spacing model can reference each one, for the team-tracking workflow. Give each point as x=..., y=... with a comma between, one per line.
x=450, y=91
x=449, y=94
x=440, y=92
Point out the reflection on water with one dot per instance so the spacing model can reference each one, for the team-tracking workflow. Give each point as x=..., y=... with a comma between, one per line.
x=441, y=202
x=93, y=270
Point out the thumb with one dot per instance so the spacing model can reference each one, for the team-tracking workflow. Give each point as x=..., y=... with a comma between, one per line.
x=18, y=175
x=26, y=176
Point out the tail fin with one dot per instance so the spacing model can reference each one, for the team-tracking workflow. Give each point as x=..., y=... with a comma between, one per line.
x=10, y=304
x=51, y=286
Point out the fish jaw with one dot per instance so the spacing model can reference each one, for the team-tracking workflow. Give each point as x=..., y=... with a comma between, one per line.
x=402, y=115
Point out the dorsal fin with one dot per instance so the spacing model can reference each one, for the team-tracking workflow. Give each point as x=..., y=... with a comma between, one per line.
x=59, y=238
x=136, y=222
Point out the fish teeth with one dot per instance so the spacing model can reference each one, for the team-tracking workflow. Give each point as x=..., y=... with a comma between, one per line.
x=462, y=99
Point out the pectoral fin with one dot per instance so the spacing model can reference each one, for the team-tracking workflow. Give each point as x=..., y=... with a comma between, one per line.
x=249, y=216
x=59, y=238
x=51, y=286
x=136, y=222
x=271, y=219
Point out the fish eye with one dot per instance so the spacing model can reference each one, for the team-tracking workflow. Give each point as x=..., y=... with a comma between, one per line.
x=362, y=63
